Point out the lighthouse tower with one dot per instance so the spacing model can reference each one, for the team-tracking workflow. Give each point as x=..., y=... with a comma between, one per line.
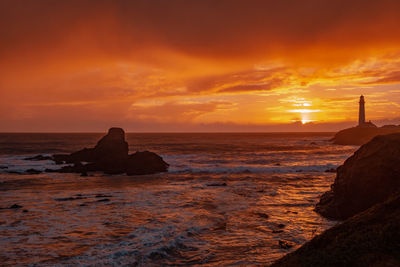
x=361, y=113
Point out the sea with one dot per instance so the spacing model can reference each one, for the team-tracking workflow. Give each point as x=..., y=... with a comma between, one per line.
x=228, y=199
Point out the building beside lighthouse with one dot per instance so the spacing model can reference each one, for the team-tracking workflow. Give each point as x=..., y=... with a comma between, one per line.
x=361, y=115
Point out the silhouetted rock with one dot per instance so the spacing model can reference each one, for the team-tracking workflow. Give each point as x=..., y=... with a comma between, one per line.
x=102, y=195
x=145, y=163
x=368, y=177
x=281, y=225
x=15, y=206
x=360, y=135
x=371, y=238
x=38, y=158
x=103, y=200
x=217, y=184
x=69, y=198
x=110, y=155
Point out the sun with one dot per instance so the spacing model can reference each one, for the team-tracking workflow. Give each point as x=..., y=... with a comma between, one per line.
x=304, y=121
x=304, y=109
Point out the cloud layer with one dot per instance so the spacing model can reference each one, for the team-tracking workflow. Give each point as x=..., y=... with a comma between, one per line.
x=153, y=65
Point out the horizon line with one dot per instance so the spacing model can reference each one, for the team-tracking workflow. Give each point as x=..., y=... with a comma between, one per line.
x=164, y=132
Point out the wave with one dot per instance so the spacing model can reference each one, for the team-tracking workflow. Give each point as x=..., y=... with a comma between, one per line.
x=192, y=163
x=249, y=169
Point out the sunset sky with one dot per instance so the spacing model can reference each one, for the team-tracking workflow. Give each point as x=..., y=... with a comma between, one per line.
x=221, y=65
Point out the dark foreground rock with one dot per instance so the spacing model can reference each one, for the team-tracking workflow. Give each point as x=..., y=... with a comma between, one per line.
x=368, y=177
x=110, y=155
x=360, y=135
x=371, y=238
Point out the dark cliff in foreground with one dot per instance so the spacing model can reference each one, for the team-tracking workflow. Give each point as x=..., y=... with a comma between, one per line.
x=367, y=187
x=368, y=177
x=360, y=135
x=371, y=238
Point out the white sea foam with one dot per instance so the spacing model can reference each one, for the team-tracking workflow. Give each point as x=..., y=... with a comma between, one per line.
x=220, y=203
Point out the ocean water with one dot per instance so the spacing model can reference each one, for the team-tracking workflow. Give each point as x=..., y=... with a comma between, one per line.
x=228, y=199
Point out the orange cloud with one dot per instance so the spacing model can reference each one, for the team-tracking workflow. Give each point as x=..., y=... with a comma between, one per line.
x=199, y=62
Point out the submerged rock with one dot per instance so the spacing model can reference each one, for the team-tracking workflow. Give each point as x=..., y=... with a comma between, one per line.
x=15, y=206
x=110, y=155
x=368, y=177
x=69, y=198
x=262, y=215
x=38, y=158
x=217, y=184
x=285, y=244
x=371, y=238
x=103, y=200
x=33, y=171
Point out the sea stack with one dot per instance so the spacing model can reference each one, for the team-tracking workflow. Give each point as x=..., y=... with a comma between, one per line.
x=111, y=155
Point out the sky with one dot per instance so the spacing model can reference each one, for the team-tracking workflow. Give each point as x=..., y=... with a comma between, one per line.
x=193, y=66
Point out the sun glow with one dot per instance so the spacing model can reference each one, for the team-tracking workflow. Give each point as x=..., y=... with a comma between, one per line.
x=303, y=109
x=304, y=121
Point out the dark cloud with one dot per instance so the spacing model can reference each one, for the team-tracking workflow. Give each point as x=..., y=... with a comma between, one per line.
x=208, y=28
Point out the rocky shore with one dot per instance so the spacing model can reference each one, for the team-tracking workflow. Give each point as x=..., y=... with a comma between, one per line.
x=366, y=194
x=360, y=135
x=111, y=156
x=370, y=238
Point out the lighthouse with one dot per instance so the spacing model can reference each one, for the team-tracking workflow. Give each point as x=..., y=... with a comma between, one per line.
x=361, y=113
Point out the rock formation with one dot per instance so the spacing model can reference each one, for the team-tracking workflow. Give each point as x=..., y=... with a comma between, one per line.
x=371, y=238
x=368, y=177
x=362, y=134
x=145, y=163
x=111, y=156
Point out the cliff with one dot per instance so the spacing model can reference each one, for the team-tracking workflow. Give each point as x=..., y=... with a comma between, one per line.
x=368, y=177
x=361, y=135
x=371, y=238
x=366, y=192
